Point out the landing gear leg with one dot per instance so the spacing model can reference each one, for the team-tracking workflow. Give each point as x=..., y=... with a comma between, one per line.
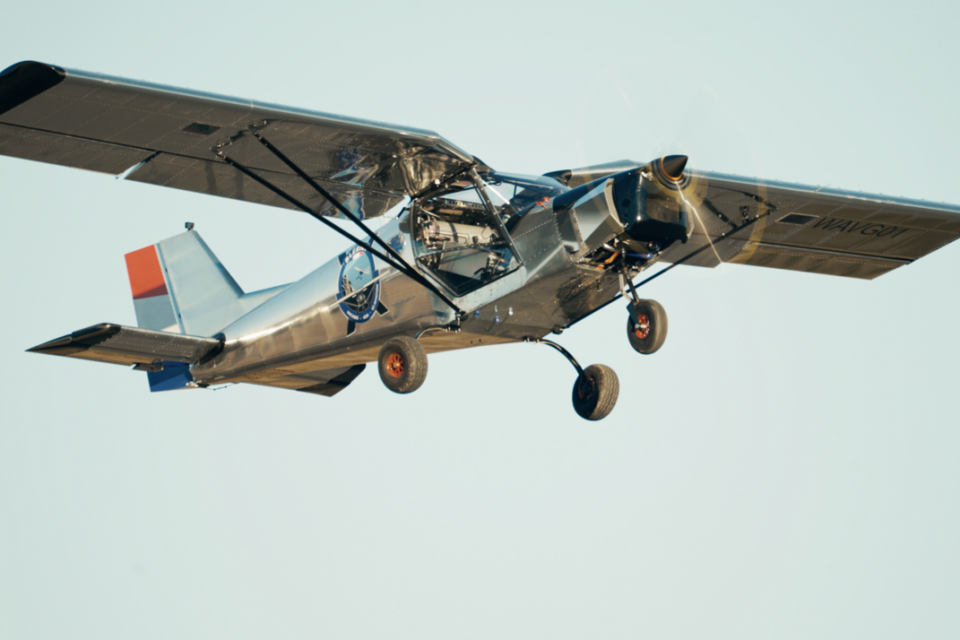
x=596, y=390
x=647, y=324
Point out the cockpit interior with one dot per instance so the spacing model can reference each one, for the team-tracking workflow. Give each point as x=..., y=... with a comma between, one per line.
x=461, y=230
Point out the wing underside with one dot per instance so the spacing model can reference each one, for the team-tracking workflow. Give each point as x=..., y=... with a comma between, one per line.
x=801, y=228
x=174, y=137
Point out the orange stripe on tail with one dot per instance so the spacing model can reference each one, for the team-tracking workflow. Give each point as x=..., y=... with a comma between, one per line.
x=146, y=277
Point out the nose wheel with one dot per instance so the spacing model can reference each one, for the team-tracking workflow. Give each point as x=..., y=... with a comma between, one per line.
x=403, y=364
x=646, y=326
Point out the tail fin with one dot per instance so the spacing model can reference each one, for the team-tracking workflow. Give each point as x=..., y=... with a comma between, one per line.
x=151, y=296
x=180, y=286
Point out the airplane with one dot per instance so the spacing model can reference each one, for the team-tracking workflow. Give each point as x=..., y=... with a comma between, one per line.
x=466, y=256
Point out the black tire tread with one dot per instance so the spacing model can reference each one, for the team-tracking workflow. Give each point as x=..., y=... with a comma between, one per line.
x=608, y=389
x=659, y=325
x=415, y=364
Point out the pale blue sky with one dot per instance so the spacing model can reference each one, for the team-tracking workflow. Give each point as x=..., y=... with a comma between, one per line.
x=785, y=467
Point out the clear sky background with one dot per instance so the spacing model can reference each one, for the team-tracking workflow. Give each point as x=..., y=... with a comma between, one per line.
x=785, y=467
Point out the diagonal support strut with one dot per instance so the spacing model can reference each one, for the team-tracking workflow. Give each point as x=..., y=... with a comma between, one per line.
x=329, y=198
x=402, y=266
x=726, y=236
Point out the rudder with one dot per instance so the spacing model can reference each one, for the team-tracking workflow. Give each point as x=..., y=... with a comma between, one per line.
x=151, y=296
x=180, y=286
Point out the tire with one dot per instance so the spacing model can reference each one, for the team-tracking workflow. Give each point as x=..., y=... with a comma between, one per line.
x=647, y=326
x=403, y=364
x=595, y=392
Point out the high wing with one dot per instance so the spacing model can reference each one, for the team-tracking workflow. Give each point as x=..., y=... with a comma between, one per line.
x=803, y=228
x=171, y=137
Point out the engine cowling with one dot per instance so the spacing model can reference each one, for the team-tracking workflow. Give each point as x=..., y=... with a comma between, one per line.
x=643, y=206
x=650, y=202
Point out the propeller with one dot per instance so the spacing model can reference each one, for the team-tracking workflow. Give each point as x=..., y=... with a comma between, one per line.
x=669, y=172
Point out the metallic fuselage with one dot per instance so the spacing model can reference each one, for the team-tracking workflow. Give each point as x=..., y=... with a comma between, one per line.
x=303, y=328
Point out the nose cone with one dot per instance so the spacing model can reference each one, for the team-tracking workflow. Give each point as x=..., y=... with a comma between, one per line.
x=673, y=166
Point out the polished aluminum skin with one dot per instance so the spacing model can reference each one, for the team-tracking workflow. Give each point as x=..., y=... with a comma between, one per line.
x=510, y=257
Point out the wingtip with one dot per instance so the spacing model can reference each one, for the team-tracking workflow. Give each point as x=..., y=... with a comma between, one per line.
x=32, y=65
x=78, y=340
x=53, y=346
x=25, y=80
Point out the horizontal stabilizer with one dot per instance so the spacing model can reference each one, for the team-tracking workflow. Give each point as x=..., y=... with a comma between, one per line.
x=117, y=344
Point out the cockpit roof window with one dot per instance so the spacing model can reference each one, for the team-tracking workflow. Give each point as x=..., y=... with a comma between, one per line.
x=515, y=194
x=523, y=181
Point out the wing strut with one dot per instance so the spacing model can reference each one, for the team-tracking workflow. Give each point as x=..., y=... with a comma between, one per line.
x=336, y=203
x=399, y=264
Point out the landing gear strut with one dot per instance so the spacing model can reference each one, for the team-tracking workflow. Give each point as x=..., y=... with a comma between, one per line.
x=647, y=324
x=596, y=389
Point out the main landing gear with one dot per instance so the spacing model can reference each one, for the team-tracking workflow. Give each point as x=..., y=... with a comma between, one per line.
x=595, y=392
x=403, y=368
x=402, y=364
x=596, y=389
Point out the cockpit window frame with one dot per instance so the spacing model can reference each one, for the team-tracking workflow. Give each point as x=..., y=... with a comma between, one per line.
x=493, y=219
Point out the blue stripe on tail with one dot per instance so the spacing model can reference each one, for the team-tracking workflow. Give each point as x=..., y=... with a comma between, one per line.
x=173, y=376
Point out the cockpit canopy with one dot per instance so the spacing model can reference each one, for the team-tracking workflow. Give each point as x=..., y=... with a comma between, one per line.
x=519, y=193
x=462, y=230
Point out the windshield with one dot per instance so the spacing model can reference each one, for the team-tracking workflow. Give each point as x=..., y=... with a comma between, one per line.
x=519, y=192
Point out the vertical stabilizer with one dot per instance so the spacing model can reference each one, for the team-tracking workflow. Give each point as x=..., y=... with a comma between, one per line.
x=180, y=286
x=205, y=296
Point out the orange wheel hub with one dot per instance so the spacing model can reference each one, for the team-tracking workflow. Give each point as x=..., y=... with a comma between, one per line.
x=641, y=328
x=395, y=365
